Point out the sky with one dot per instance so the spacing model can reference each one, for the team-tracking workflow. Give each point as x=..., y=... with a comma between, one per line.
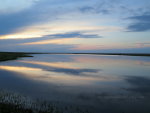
x=75, y=26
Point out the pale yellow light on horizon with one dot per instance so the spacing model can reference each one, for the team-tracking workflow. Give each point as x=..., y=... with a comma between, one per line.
x=51, y=41
x=19, y=36
x=41, y=30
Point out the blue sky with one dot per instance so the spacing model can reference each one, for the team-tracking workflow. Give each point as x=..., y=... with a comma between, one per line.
x=75, y=25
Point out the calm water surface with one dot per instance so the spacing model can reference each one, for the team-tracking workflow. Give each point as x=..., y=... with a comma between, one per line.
x=99, y=84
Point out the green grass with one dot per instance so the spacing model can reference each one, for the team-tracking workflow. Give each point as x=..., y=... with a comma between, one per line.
x=4, y=56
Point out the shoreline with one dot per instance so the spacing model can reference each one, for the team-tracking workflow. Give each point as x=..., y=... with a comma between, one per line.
x=27, y=53
x=5, y=56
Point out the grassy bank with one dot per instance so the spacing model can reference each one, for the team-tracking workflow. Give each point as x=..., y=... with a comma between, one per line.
x=4, y=56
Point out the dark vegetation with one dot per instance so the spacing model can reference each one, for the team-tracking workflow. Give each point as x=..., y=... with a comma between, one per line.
x=4, y=56
x=11, y=102
x=11, y=108
x=16, y=103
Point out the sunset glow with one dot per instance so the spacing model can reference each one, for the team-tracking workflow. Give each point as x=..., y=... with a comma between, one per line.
x=75, y=26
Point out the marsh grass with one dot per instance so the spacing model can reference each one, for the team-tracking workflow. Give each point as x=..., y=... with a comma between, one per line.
x=11, y=102
x=4, y=56
x=16, y=103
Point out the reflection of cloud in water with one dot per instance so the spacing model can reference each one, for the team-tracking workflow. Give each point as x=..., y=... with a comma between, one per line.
x=66, y=68
x=140, y=84
x=53, y=77
x=74, y=71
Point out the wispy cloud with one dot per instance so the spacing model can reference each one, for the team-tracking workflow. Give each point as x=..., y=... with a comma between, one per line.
x=100, y=7
x=73, y=25
x=75, y=35
x=60, y=38
x=90, y=9
x=140, y=23
x=40, y=12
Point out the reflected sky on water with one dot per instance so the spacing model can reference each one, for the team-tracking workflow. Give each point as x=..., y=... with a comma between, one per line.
x=85, y=80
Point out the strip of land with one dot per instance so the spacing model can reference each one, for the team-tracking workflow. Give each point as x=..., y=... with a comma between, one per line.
x=4, y=56
x=124, y=54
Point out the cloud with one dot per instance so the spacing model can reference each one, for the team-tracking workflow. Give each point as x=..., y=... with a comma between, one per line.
x=89, y=9
x=99, y=7
x=48, y=43
x=75, y=35
x=60, y=38
x=140, y=23
x=12, y=22
x=40, y=12
x=71, y=24
x=14, y=45
x=86, y=9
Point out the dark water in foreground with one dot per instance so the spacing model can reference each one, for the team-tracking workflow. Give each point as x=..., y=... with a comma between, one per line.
x=99, y=84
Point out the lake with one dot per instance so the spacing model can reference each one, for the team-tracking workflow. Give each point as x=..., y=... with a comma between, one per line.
x=92, y=83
